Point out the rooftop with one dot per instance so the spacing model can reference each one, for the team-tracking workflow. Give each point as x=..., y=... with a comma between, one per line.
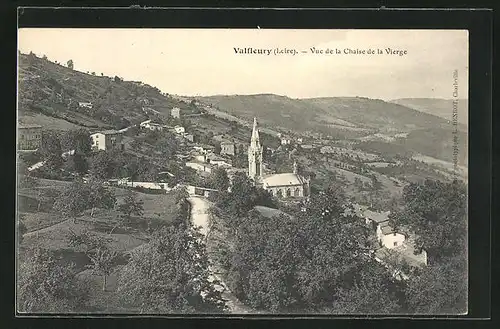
x=377, y=217
x=283, y=180
x=404, y=252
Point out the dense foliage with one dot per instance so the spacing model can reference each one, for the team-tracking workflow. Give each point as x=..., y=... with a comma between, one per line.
x=315, y=261
x=45, y=285
x=170, y=275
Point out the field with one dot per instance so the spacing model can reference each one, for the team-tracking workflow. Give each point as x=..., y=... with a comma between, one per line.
x=49, y=230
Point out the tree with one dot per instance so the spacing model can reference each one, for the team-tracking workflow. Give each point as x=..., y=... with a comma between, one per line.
x=21, y=229
x=219, y=180
x=170, y=274
x=99, y=196
x=130, y=206
x=441, y=288
x=73, y=200
x=316, y=261
x=79, y=197
x=217, y=148
x=51, y=150
x=77, y=163
x=46, y=286
x=102, y=264
x=436, y=212
x=78, y=140
x=70, y=64
x=102, y=165
x=97, y=249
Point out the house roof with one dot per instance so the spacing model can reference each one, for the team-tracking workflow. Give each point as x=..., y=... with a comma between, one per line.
x=377, y=217
x=285, y=179
x=386, y=229
x=404, y=252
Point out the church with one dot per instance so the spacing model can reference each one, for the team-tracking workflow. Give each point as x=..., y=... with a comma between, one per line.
x=285, y=185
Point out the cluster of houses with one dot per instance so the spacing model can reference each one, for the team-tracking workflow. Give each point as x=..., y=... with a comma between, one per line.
x=392, y=244
x=204, y=160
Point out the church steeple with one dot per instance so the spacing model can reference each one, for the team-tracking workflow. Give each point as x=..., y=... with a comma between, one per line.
x=255, y=154
x=255, y=134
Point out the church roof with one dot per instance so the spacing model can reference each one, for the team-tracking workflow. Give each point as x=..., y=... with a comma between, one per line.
x=285, y=179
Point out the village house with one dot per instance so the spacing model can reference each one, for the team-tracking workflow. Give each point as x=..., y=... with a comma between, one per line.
x=204, y=149
x=286, y=141
x=151, y=125
x=217, y=160
x=201, y=167
x=87, y=105
x=307, y=147
x=175, y=113
x=179, y=129
x=106, y=140
x=29, y=137
x=189, y=137
x=227, y=148
x=393, y=259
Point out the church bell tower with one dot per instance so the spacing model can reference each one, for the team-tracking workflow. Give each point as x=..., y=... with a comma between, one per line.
x=255, y=151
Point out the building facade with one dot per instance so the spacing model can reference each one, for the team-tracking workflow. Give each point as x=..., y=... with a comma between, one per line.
x=176, y=113
x=29, y=137
x=227, y=148
x=106, y=140
x=285, y=185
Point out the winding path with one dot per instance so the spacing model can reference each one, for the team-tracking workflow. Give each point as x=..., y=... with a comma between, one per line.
x=199, y=217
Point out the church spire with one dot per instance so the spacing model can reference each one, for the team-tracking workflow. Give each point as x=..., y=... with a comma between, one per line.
x=255, y=150
x=255, y=134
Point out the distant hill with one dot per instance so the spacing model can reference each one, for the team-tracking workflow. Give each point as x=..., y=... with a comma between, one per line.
x=49, y=94
x=436, y=106
x=356, y=115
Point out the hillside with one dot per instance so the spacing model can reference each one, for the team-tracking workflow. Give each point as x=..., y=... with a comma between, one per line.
x=440, y=107
x=49, y=94
x=355, y=116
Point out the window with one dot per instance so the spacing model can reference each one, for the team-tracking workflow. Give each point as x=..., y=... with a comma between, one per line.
x=395, y=243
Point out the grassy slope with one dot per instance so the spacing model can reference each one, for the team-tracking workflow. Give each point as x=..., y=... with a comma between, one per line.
x=322, y=112
x=46, y=88
x=439, y=107
x=157, y=208
x=375, y=113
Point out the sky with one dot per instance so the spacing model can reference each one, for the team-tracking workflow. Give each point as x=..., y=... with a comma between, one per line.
x=202, y=62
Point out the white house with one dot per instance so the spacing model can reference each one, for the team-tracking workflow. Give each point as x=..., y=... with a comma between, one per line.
x=285, y=141
x=106, y=140
x=176, y=113
x=204, y=149
x=151, y=125
x=388, y=237
x=85, y=104
x=217, y=160
x=189, y=137
x=179, y=129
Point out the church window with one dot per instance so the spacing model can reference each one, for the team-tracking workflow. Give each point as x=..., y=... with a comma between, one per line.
x=288, y=192
x=297, y=192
